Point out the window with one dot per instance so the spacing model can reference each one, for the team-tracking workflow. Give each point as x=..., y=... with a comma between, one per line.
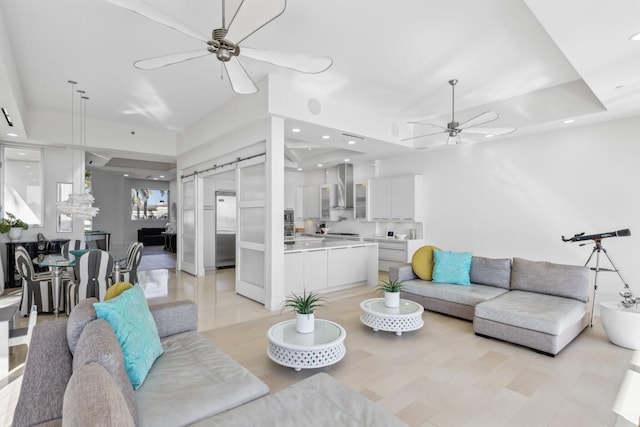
x=147, y=203
x=22, y=193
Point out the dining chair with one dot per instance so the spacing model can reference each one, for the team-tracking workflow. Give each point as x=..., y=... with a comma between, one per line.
x=129, y=270
x=71, y=245
x=93, y=271
x=37, y=288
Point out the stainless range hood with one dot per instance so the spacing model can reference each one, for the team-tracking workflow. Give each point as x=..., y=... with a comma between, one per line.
x=345, y=186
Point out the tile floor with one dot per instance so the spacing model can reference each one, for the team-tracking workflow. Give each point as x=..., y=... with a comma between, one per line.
x=441, y=375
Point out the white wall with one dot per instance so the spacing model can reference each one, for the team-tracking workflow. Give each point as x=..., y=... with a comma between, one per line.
x=57, y=166
x=517, y=196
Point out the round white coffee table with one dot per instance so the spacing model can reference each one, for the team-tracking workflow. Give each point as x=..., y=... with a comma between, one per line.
x=322, y=347
x=406, y=317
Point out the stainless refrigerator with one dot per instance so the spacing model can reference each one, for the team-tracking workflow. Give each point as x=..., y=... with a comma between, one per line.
x=225, y=229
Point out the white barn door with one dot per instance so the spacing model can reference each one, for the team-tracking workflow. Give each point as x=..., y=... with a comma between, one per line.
x=250, y=240
x=188, y=246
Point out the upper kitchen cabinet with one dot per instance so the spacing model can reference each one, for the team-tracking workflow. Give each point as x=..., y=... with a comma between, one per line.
x=311, y=201
x=395, y=198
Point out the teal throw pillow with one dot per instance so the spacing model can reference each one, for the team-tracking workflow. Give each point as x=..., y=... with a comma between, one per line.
x=136, y=331
x=452, y=267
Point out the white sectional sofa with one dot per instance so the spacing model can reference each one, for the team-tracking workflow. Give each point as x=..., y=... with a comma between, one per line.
x=75, y=376
x=540, y=305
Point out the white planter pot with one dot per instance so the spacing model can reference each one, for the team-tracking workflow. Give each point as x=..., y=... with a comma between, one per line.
x=15, y=233
x=305, y=323
x=392, y=299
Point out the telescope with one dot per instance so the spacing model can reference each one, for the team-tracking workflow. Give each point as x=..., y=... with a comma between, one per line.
x=581, y=236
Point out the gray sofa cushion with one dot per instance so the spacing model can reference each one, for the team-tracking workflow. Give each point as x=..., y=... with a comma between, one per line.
x=93, y=399
x=537, y=312
x=490, y=271
x=317, y=401
x=80, y=316
x=570, y=281
x=466, y=295
x=195, y=380
x=98, y=343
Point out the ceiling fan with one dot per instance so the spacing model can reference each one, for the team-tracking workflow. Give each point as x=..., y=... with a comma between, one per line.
x=243, y=21
x=454, y=129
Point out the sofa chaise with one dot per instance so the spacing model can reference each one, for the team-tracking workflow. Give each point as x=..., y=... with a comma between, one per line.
x=75, y=376
x=540, y=305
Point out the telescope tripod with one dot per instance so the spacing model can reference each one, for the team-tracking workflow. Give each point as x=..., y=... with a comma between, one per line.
x=597, y=249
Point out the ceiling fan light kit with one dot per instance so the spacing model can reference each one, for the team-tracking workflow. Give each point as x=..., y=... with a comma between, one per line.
x=250, y=16
x=454, y=128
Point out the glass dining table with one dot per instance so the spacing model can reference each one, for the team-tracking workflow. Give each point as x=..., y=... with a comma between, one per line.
x=56, y=263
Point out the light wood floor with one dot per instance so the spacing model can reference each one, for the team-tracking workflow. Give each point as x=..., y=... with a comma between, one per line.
x=440, y=375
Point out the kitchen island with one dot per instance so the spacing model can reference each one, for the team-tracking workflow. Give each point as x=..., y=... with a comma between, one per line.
x=327, y=266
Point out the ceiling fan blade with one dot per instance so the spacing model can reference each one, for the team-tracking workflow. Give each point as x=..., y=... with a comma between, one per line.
x=486, y=117
x=490, y=131
x=426, y=134
x=295, y=61
x=143, y=8
x=429, y=124
x=240, y=81
x=251, y=16
x=163, y=61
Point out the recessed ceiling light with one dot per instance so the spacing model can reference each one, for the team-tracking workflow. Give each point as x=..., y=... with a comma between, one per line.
x=569, y=121
x=22, y=153
x=320, y=165
x=161, y=176
x=347, y=160
x=351, y=142
x=126, y=174
x=635, y=37
x=12, y=134
x=295, y=130
x=325, y=137
x=155, y=179
x=309, y=149
x=27, y=167
x=299, y=169
x=489, y=135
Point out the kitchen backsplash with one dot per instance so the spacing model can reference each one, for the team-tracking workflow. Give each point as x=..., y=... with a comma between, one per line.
x=363, y=228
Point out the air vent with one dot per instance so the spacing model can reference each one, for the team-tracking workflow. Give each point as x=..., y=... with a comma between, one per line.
x=349, y=135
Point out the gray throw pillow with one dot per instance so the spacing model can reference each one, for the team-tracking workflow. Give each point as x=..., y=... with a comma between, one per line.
x=80, y=316
x=569, y=281
x=490, y=271
x=98, y=343
x=93, y=399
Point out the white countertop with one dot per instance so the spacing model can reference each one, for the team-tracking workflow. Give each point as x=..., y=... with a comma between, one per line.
x=313, y=245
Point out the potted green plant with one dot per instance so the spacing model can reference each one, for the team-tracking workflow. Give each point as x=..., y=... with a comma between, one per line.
x=391, y=289
x=304, y=306
x=14, y=226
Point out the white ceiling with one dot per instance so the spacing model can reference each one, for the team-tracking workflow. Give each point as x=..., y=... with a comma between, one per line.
x=534, y=62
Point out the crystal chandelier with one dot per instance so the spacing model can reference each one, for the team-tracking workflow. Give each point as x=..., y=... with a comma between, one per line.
x=78, y=204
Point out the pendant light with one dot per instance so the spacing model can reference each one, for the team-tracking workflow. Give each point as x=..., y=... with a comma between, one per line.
x=78, y=204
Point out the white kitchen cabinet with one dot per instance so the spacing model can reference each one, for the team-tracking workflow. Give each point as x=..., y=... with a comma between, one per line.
x=395, y=198
x=294, y=271
x=394, y=252
x=311, y=201
x=305, y=270
x=348, y=265
x=379, y=199
x=315, y=269
x=331, y=265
